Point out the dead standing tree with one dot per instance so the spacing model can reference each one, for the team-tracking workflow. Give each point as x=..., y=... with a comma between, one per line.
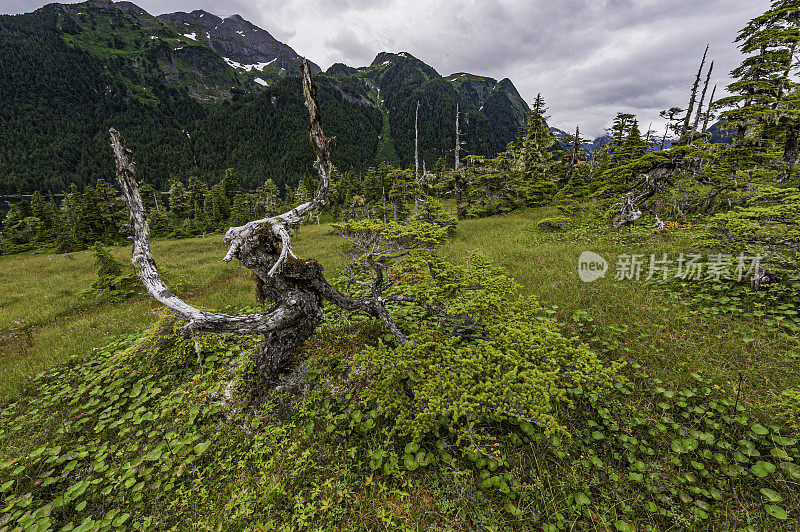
x=689, y=110
x=295, y=287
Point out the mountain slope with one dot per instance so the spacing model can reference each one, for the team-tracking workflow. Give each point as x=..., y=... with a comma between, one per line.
x=58, y=101
x=491, y=111
x=61, y=100
x=242, y=45
x=128, y=35
x=196, y=94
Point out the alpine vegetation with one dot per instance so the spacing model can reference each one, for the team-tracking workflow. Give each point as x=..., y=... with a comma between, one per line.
x=243, y=293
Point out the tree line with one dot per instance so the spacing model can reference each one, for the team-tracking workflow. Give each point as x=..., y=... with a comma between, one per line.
x=674, y=173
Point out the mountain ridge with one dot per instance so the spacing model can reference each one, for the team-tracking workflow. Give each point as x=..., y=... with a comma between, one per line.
x=171, y=82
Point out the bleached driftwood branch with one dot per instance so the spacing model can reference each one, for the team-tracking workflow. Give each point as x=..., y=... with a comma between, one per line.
x=235, y=236
x=279, y=317
x=296, y=288
x=629, y=212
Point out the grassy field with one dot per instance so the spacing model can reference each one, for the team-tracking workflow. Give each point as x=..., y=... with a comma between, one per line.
x=44, y=319
x=687, y=437
x=640, y=321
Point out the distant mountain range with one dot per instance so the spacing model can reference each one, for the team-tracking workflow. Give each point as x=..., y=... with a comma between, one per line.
x=195, y=94
x=719, y=135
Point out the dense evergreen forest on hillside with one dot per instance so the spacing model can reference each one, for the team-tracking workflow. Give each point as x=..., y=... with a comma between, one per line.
x=49, y=147
x=73, y=71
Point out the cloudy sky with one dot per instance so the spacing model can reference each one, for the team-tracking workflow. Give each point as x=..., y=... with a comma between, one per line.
x=589, y=58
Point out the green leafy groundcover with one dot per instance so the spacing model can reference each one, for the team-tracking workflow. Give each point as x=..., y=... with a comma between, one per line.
x=488, y=354
x=148, y=433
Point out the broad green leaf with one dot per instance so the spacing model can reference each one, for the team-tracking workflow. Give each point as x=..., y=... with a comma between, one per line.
x=119, y=521
x=761, y=469
x=200, y=448
x=792, y=469
x=582, y=499
x=411, y=448
x=771, y=495
x=775, y=511
x=623, y=526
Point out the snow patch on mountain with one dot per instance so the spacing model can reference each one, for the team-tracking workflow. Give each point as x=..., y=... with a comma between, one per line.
x=247, y=68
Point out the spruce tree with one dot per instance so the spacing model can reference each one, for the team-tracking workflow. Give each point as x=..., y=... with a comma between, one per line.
x=179, y=202
x=577, y=152
x=48, y=227
x=71, y=209
x=150, y=198
x=493, y=186
x=577, y=187
x=268, y=199
x=533, y=156
x=241, y=210
x=403, y=188
x=765, y=101
x=633, y=146
x=673, y=125
x=197, y=191
x=216, y=208
x=619, y=131
x=102, y=217
x=19, y=227
x=230, y=185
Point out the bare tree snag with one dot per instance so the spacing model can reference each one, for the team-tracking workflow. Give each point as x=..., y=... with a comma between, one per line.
x=576, y=145
x=645, y=187
x=707, y=115
x=294, y=287
x=458, y=141
x=457, y=178
x=692, y=99
x=416, y=157
x=702, y=99
x=629, y=212
x=263, y=246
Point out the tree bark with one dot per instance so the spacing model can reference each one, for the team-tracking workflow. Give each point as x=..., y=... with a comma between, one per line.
x=296, y=288
x=702, y=99
x=690, y=109
x=263, y=246
x=707, y=116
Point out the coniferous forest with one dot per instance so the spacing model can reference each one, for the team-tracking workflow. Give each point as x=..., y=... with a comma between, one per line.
x=243, y=293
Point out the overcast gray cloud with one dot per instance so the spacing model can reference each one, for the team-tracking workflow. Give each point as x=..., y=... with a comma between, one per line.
x=589, y=58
